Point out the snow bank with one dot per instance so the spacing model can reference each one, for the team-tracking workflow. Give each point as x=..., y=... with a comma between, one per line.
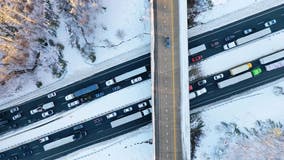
x=243, y=111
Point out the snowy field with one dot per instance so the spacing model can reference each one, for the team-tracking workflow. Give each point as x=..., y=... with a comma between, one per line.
x=133, y=26
x=244, y=110
x=221, y=8
x=132, y=19
x=137, y=145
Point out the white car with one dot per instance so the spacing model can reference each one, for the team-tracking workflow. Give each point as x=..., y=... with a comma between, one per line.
x=48, y=113
x=17, y=116
x=143, y=104
x=201, y=91
x=147, y=111
x=44, y=139
x=39, y=109
x=127, y=109
x=15, y=109
x=219, y=76
x=135, y=80
x=229, y=45
x=110, y=82
x=74, y=103
x=111, y=115
x=192, y=95
x=247, y=31
x=50, y=95
x=202, y=82
x=69, y=97
x=270, y=23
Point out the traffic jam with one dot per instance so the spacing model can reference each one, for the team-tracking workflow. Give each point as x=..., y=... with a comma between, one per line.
x=17, y=117
x=238, y=74
x=104, y=126
x=199, y=52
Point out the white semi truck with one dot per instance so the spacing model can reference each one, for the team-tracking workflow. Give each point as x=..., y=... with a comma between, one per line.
x=272, y=57
x=125, y=76
x=253, y=36
x=42, y=108
x=240, y=69
x=197, y=49
x=234, y=80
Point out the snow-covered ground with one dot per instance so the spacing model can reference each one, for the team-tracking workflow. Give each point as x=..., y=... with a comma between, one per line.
x=244, y=110
x=133, y=24
x=132, y=19
x=137, y=145
x=221, y=8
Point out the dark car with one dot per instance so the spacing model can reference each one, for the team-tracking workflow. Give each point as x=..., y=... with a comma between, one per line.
x=215, y=44
x=196, y=59
x=229, y=38
x=167, y=42
x=202, y=82
x=79, y=134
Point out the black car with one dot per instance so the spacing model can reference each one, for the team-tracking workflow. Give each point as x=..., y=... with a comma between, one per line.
x=167, y=42
x=229, y=38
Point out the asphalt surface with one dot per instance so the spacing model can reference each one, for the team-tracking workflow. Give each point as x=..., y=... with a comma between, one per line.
x=167, y=125
x=255, y=22
x=97, y=129
x=8, y=124
x=215, y=94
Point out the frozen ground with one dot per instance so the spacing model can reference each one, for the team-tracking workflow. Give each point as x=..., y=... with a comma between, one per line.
x=133, y=24
x=131, y=18
x=244, y=111
x=136, y=145
x=221, y=8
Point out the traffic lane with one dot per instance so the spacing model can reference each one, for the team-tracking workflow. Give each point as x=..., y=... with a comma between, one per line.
x=221, y=94
x=93, y=139
x=61, y=93
x=253, y=19
x=95, y=125
x=219, y=35
x=24, y=121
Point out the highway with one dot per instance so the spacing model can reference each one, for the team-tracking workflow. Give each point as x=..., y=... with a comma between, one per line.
x=215, y=94
x=8, y=124
x=217, y=36
x=166, y=81
x=82, y=135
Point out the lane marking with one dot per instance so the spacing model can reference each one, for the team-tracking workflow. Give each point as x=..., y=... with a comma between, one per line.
x=173, y=77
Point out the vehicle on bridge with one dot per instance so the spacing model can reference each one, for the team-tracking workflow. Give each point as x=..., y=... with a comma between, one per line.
x=81, y=92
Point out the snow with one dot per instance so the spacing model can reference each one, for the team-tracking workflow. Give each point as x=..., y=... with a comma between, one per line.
x=134, y=144
x=135, y=23
x=222, y=7
x=185, y=111
x=244, y=111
